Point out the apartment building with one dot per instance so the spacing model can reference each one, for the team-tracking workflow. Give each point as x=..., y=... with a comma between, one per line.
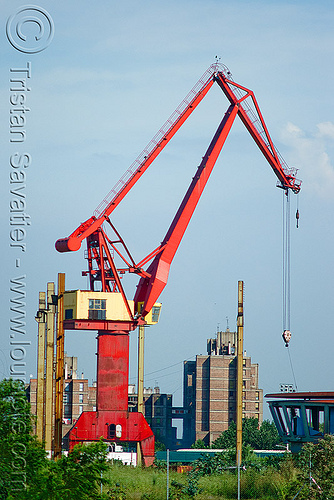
x=210, y=390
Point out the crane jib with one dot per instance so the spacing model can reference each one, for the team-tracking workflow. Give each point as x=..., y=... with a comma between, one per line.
x=252, y=119
x=242, y=103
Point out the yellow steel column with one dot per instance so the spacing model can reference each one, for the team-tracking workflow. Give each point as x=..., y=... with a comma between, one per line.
x=141, y=337
x=59, y=367
x=240, y=333
x=40, y=397
x=50, y=316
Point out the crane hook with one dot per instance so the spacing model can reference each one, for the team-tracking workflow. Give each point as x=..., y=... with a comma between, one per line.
x=297, y=218
x=286, y=337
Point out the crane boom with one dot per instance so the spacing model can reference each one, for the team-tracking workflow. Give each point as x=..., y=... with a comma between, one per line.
x=254, y=122
x=256, y=126
x=150, y=288
x=152, y=281
x=140, y=165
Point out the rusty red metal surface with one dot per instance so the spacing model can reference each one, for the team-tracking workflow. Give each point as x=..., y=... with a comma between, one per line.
x=112, y=371
x=112, y=421
x=302, y=395
x=107, y=326
x=132, y=427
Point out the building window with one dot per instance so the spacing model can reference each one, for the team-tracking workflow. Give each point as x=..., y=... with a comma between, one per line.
x=155, y=313
x=81, y=398
x=67, y=410
x=257, y=395
x=80, y=409
x=256, y=406
x=68, y=313
x=111, y=431
x=81, y=386
x=97, y=309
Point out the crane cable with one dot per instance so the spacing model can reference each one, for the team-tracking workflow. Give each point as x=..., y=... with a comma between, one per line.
x=286, y=267
x=286, y=312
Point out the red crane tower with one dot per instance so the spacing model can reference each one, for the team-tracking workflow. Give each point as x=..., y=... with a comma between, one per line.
x=112, y=420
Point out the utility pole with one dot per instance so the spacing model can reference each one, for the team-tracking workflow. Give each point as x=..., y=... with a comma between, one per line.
x=40, y=397
x=141, y=338
x=50, y=320
x=240, y=334
x=59, y=367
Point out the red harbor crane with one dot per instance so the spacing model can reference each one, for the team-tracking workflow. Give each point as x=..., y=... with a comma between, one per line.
x=105, y=307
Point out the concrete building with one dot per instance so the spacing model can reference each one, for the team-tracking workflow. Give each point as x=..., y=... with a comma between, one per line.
x=210, y=390
x=158, y=413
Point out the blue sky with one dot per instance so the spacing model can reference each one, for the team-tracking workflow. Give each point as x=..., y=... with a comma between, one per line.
x=109, y=79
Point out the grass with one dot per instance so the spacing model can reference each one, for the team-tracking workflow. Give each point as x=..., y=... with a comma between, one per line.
x=127, y=483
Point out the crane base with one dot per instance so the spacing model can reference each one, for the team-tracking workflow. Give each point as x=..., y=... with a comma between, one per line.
x=114, y=426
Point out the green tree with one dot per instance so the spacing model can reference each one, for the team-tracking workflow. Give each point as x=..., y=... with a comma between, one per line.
x=251, y=432
x=20, y=453
x=227, y=439
x=268, y=436
x=264, y=438
x=26, y=473
x=226, y=460
x=76, y=476
x=159, y=446
x=316, y=469
x=199, y=444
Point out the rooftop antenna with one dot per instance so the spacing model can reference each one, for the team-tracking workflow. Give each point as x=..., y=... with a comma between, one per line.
x=227, y=325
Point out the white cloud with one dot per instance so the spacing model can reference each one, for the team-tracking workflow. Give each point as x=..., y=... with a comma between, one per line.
x=326, y=129
x=310, y=154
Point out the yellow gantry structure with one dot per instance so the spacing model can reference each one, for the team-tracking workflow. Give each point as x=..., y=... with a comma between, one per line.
x=49, y=405
x=40, y=398
x=59, y=367
x=141, y=340
x=50, y=332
